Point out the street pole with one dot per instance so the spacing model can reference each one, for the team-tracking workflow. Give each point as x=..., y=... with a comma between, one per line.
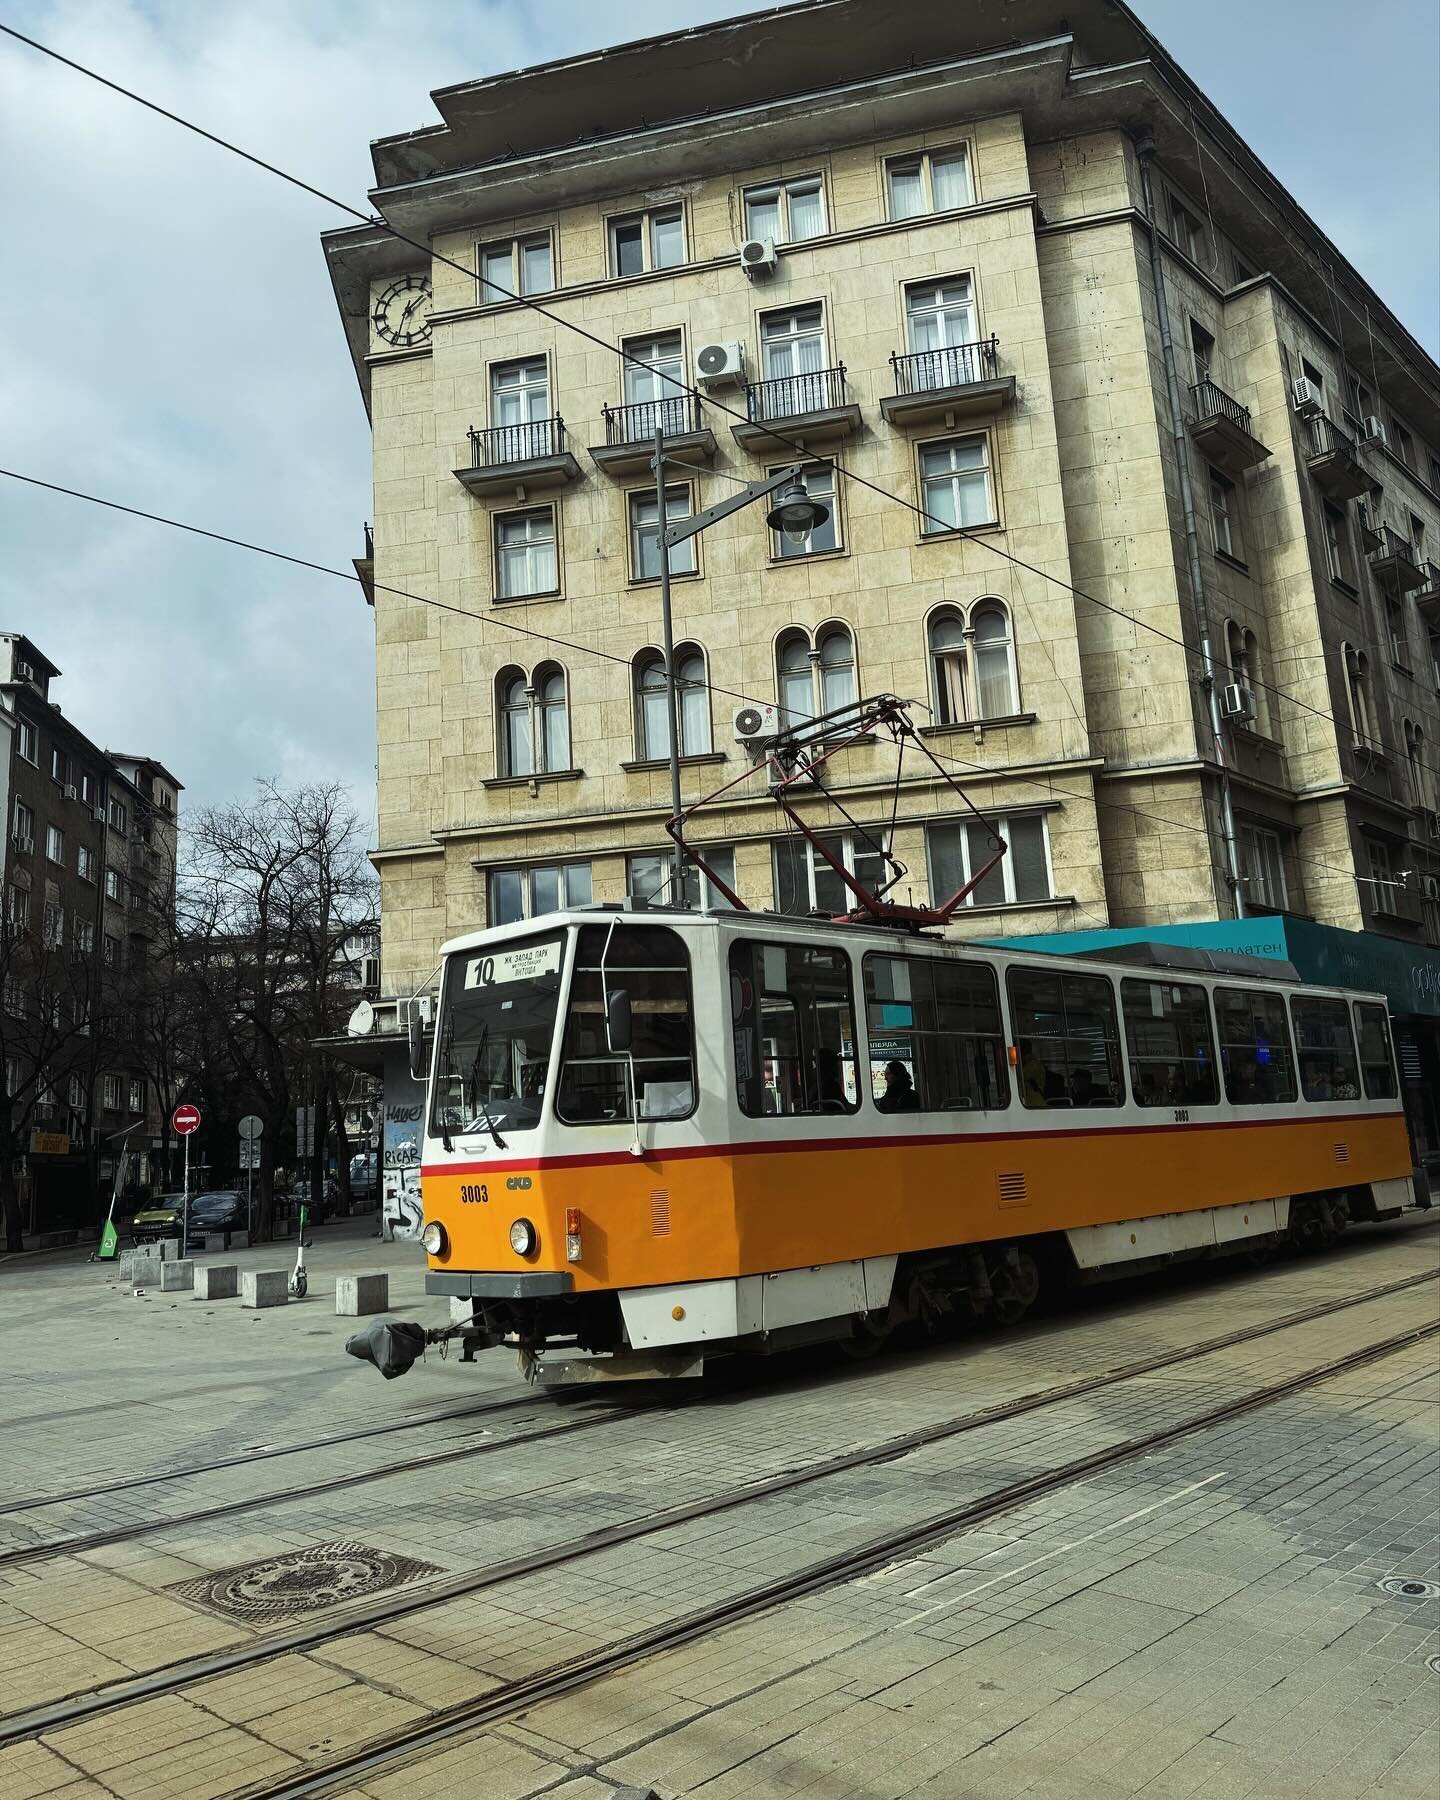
x=677, y=855
x=185, y=1203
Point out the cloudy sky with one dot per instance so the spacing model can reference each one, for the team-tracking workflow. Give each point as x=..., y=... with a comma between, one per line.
x=171, y=339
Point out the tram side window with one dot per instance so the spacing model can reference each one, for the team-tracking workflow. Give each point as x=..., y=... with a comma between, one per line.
x=650, y=963
x=1325, y=1047
x=1067, y=1039
x=1377, y=1060
x=936, y=1040
x=792, y=1013
x=1254, y=1047
x=1172, y=1051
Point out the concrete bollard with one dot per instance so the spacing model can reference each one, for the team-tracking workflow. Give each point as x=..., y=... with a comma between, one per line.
x=140, y=1265
x=359, y=1294
x=265, y=1287
x=217, y=1281
x=177, y=1276
x=169, y=1249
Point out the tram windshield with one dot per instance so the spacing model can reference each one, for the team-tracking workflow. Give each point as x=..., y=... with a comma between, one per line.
x=497, y=1026
x=654, y=1076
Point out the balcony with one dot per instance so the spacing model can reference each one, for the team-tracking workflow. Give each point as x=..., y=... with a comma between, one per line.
x=629, y=447
x=1427, y=597
x=512, y=461
x=1333, y=458
x=1220, y=427
x=1370, y=538
x=797, y=410
x=1393, y=901
x=958, y=381
x=365, y=568
x=1396, y=563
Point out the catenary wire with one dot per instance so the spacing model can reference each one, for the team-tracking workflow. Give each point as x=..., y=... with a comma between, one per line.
x=682, y=388
x=992, y=774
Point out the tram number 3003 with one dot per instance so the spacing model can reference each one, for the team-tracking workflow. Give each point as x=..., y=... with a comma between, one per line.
x=474, y=1194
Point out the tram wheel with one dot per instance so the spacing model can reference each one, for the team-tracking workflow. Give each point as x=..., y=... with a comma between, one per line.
x=869, y=1334
x=1014, y=1286
x=1308, y=1228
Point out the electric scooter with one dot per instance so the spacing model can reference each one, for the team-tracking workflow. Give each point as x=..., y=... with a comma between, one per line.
x=298, y=1280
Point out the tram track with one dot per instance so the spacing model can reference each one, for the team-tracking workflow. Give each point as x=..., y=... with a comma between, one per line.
x=77, y=1543
x=515, y=1697
x=177, y=1676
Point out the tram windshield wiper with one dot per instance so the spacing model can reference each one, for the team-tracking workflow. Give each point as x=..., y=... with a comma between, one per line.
x=476, y=1073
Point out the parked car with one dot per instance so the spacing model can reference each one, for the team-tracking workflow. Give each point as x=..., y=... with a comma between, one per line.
x=158, y=1218
x=223, y=1210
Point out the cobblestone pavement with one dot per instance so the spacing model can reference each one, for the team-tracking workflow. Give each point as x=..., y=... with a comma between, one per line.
x=1205, y=1621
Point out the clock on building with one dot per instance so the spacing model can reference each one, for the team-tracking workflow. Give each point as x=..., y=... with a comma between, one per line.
x=402, y=312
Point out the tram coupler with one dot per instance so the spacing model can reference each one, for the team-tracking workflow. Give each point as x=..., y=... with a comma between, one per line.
x=395, y=1345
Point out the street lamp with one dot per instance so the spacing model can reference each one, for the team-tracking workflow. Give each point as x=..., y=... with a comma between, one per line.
x=795, y=514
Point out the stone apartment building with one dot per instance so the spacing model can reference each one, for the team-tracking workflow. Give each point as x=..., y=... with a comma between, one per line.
x=1157, y=561
x=88, y=876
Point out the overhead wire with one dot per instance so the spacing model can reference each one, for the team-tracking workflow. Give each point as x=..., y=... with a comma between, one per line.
x=973, y=534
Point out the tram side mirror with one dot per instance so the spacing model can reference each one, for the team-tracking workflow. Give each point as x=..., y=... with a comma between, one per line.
x=618, y=1031
x=415, y=1027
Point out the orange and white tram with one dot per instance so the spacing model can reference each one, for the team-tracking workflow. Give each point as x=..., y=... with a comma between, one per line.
x=655, y=1135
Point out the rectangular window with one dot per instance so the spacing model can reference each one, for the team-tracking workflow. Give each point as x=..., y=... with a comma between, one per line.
x=957, y=852
x=1262, y=867
x=54, y=844
x=1339, y=554
x=14, y=1001
x=940, y=330
x=520, y=396
x=528, y=892
x=1254, y=1047
x=85, y=863
x=955, y=489
x=1404, y=443
x=654, y=379
x=787, y=212
x=1240, y=271
x=793, y=1024
x=59, y=766
x=12, y=1077
x=525, y=553
x=28, y=742
x=514, y=266
x=84, y=936
x=1224, y=523
x=1185, y=232
x=23, y=828
x=112, y=884
x=931, y=181
x=111, y=947
x=648, y=878
x=645, y=241
x=1172, y=1049
x=17, y=908
x=137, y=1096
x=645, y=535
x=79, y=1100
x=1377, y=1059
x=935, y=1036
x=110, y=1092
x=87, y=789
x=54, y=925
x=119, y=818
x=1325, y=1049
x=1067, y=1039
x=1202, y=351
x=649, y=964
x=819, y=483
x=805, y=882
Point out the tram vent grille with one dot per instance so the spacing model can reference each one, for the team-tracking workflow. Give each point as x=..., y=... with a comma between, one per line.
x=659, y=1212
x=1342, y=1153
x=1013, y=1189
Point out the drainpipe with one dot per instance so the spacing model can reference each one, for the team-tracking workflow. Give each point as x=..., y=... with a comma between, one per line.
x=1145, y=151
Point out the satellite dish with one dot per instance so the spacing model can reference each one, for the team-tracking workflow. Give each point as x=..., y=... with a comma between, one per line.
x=362, y=1020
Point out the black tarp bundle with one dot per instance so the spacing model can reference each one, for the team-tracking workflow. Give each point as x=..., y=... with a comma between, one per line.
x=391, y=1344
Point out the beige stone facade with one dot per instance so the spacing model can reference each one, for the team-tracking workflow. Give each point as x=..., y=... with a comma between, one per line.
x=1007, y=191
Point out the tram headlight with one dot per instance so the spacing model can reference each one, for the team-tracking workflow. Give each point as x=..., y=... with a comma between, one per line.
x=522, y=1238
x=433, y=1238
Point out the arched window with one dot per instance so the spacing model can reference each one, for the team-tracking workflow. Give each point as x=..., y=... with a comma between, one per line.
x=994, y=654
x=692, y=700
x=1357, y=685
x=652, y=707
x=837, y=668
x=1420, y=789
x=513, y=690
x=552, y=735
x=947, y=666
x=796, y=682
x=1242, y=652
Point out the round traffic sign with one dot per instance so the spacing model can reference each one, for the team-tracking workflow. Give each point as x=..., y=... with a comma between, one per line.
x=185, y=1119
x=251, y=1127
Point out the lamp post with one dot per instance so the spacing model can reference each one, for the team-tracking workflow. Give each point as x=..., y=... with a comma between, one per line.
x=795, y=513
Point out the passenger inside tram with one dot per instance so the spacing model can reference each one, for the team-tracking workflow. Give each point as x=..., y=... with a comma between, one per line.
x=899, y=1094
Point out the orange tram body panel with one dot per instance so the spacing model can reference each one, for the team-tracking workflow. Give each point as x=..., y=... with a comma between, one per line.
x=655, y=1135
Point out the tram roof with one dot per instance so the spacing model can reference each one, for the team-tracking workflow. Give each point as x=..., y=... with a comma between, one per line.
x=1154, y=958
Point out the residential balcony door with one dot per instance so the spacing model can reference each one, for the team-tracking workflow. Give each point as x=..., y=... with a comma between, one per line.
x=940, y=318
x=792, y=351
x=521, y=393
x=653, y=379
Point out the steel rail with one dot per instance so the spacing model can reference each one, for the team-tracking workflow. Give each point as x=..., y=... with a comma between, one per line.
x=421, y=1597
x=565, y=1678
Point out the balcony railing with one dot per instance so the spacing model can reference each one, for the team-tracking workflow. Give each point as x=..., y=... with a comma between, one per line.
x=1221, y=427
x=1326, y=438
x=1427, y=598
x=793, y=396
x=1212, y=402
x=526, y=442
x=1395, y=562
x=1334, y=459
x=950, y=366
x=634, y=424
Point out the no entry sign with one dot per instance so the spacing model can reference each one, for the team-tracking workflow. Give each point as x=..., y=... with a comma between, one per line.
x=184, y=1120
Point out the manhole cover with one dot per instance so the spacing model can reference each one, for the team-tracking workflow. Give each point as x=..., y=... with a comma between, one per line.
x=1432, y=1663
x=303, y=1581
x=1409, y=1587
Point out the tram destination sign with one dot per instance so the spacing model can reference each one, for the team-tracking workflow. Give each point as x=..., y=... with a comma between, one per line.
x=523, y=963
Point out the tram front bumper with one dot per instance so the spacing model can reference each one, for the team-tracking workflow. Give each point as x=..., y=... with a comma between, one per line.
x=529, y=1284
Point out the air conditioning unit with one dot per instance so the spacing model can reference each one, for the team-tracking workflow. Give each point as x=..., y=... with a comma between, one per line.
x=25, y=845
x=1372, y=430
x=719, y=364
x=1432, y=822
x=71, y=791
x=758, y=256
x=25, y=671
x=99, y=812
x=757, y=726
x=1305, y=397
x=1237, y=702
